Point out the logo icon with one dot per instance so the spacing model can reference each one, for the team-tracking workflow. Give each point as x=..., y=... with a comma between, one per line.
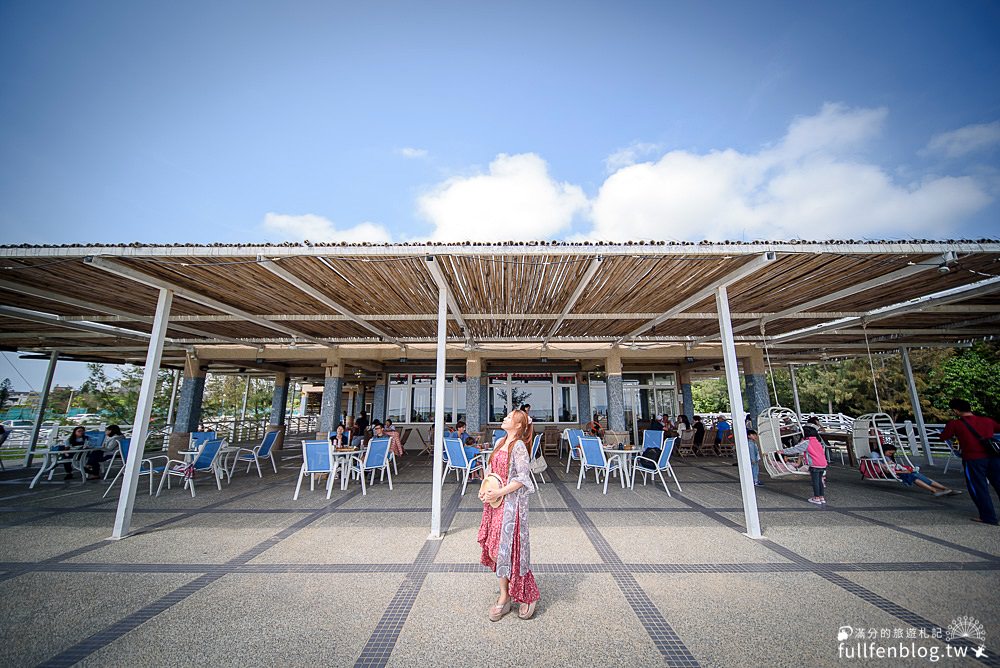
x=844, y=633
x=967, y=628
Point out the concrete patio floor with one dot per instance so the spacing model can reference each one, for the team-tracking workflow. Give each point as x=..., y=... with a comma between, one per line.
x=247, y=576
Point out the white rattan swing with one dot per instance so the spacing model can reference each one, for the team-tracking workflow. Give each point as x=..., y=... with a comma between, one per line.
x=876, y=433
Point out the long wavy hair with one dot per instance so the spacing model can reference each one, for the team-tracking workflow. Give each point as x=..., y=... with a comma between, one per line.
x=521, y=431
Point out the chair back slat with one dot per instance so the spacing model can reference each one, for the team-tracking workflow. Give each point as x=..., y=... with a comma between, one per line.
x=316, y=455
x=498, y=434
x=199, y=437
x=593, y=454
x=536, y=446
x=456, y=453
x=652, y=438
x=265, y=446
x=378, y=452
x=207, y=453
x=123, y=446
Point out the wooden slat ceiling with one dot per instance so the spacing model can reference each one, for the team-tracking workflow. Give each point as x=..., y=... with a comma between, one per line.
x=515, y=281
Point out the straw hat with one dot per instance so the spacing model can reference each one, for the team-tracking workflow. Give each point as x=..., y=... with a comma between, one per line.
x=492, y=481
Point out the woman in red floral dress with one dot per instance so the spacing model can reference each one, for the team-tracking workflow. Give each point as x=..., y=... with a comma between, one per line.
x=503, y=533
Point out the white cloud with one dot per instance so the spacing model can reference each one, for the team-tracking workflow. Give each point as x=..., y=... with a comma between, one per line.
x=317, y=228
x=966, y=140
x=516, y=200
x=809, y=185
x=629, y=155
x=410, y=152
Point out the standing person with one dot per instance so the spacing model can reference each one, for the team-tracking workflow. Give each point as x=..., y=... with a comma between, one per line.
x=526, y=409
x=503, y=533
x=112, y=439
x=812, y=452
x=753, y=442
x=360, y=429
x=982, y=467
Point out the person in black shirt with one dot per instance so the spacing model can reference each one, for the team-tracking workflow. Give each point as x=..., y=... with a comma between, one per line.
x=699, y=430
x=360, y=429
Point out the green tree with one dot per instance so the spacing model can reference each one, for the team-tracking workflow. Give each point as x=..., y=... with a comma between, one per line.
x=5, y=388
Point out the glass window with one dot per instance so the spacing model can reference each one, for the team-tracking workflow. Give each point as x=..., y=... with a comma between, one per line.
x=667, y=379
x=498, y=404
x=397, y=404
x=422, y=406
x=567, y=403
x=498, y=379
x=641, y=378
x=540, y=399
x=598, y=399
x=531, y=378
x=398, y=379
x=423, y=379
x=566, y=379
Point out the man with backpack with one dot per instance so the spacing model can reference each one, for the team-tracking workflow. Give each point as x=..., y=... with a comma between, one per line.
x=980, y=458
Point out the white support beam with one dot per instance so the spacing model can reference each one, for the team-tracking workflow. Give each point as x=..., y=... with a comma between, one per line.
x=435, y=270
x=595, y=264
x=877, y=282
x=748, y=268
x=960, y=293
x=304, y=287
x=437, y=477
x=795, y=389
x=43, y=401
x=739, y=415
x=119, y=269
x=51, y=319
x=918, y=412
x=121, y=316
x=144, y=409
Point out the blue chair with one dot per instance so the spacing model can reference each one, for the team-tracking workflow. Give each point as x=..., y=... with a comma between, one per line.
x=207, y=459
x=593, y=457
x=497, y=435
x=146, y=466
x=255, y=454
x=574, y=446
x=317, y=457
x=199, y=437
x=460, y=462
x=536, y=449
x=656, y=468
x=95, y=439
x=376, y=459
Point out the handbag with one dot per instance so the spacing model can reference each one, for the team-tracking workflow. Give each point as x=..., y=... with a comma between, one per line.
x=538, y=464
x=991, y=444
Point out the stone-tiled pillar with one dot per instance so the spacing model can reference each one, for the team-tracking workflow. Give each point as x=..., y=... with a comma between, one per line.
x=359, y=400
x=473, y=393
x=616, y=393
x=188, y=405
x=583, y=397
x=687, y=398
x=279, y=402
x=755, y=375
x=333, y=385
x=380, y=398
x=484, y=400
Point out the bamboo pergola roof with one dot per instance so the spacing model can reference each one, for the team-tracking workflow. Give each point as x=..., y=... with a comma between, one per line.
x=806, y=300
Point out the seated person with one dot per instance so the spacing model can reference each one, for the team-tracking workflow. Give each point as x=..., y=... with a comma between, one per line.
x=594, y=428
x=655, y=424
x=910, y=476
x=388, y=426
x=721, y=427
x=76, y=439
x=113, y=438
x=395, y=447
x=340, y=438
x=699, y=431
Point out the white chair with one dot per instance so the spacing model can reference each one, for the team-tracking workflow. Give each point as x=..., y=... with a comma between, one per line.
x=207, y=460
x=656, y=468
x=536, y=449
x=460, y=462
x=146, y=467
x=593, y=457
x=317, y=457
x=255, y=454
x=376, y=459
x=574, y=446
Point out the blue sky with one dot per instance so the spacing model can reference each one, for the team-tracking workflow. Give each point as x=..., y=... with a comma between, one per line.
x=240, y=121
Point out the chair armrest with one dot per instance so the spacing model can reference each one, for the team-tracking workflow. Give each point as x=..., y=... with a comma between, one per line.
x=152, y=457
x=635, y=462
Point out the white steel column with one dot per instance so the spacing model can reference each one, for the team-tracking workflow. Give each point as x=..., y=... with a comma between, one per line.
x=246, y=395
x=140, y=426
x=43, y=401
x=442, y=340
x=739, y=415
x=915, y=402
x=795, y=389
